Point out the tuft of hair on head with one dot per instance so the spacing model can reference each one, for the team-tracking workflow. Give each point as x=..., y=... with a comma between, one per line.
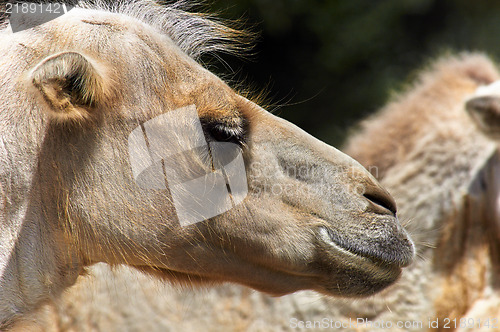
x=196, y=33
x=72, y=86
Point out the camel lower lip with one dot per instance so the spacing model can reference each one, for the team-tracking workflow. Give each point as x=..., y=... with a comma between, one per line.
x=362, y=275
x=325, y=236
x=329, y=239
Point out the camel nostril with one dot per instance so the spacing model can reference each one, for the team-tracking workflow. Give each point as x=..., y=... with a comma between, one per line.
x=381, y=200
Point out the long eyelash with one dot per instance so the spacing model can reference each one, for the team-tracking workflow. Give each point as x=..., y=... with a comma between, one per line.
x=231, y=131
x=223, y=132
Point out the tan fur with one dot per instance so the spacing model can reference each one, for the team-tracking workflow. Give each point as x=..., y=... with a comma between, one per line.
x=399, y=127
x=433, y=114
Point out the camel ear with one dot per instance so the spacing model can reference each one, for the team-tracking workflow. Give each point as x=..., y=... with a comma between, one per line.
x=485, y=111
x=71, y=86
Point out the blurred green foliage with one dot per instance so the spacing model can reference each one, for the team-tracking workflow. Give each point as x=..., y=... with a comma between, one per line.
x=330, y=63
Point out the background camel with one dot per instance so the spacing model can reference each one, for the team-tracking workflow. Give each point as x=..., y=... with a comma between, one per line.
x=443, y=171
x=76, y=89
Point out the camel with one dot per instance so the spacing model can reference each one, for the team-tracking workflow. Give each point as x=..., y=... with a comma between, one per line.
x=435, y=147
x=446, y=150
x=78, y=90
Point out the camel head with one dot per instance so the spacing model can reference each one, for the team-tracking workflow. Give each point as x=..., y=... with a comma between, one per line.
x=484, y=108
x=116, y=146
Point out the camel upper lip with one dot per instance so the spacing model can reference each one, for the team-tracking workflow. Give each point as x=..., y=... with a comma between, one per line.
x=384, y=257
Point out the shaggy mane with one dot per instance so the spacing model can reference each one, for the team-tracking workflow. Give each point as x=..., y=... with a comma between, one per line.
x=195, y=33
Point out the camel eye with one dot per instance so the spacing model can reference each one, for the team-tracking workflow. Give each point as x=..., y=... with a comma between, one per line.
x=222, y=132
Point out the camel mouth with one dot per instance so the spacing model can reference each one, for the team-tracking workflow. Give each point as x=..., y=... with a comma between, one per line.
x=400, y=256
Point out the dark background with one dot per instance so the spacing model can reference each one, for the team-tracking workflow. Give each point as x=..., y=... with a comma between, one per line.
x=326, y=64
